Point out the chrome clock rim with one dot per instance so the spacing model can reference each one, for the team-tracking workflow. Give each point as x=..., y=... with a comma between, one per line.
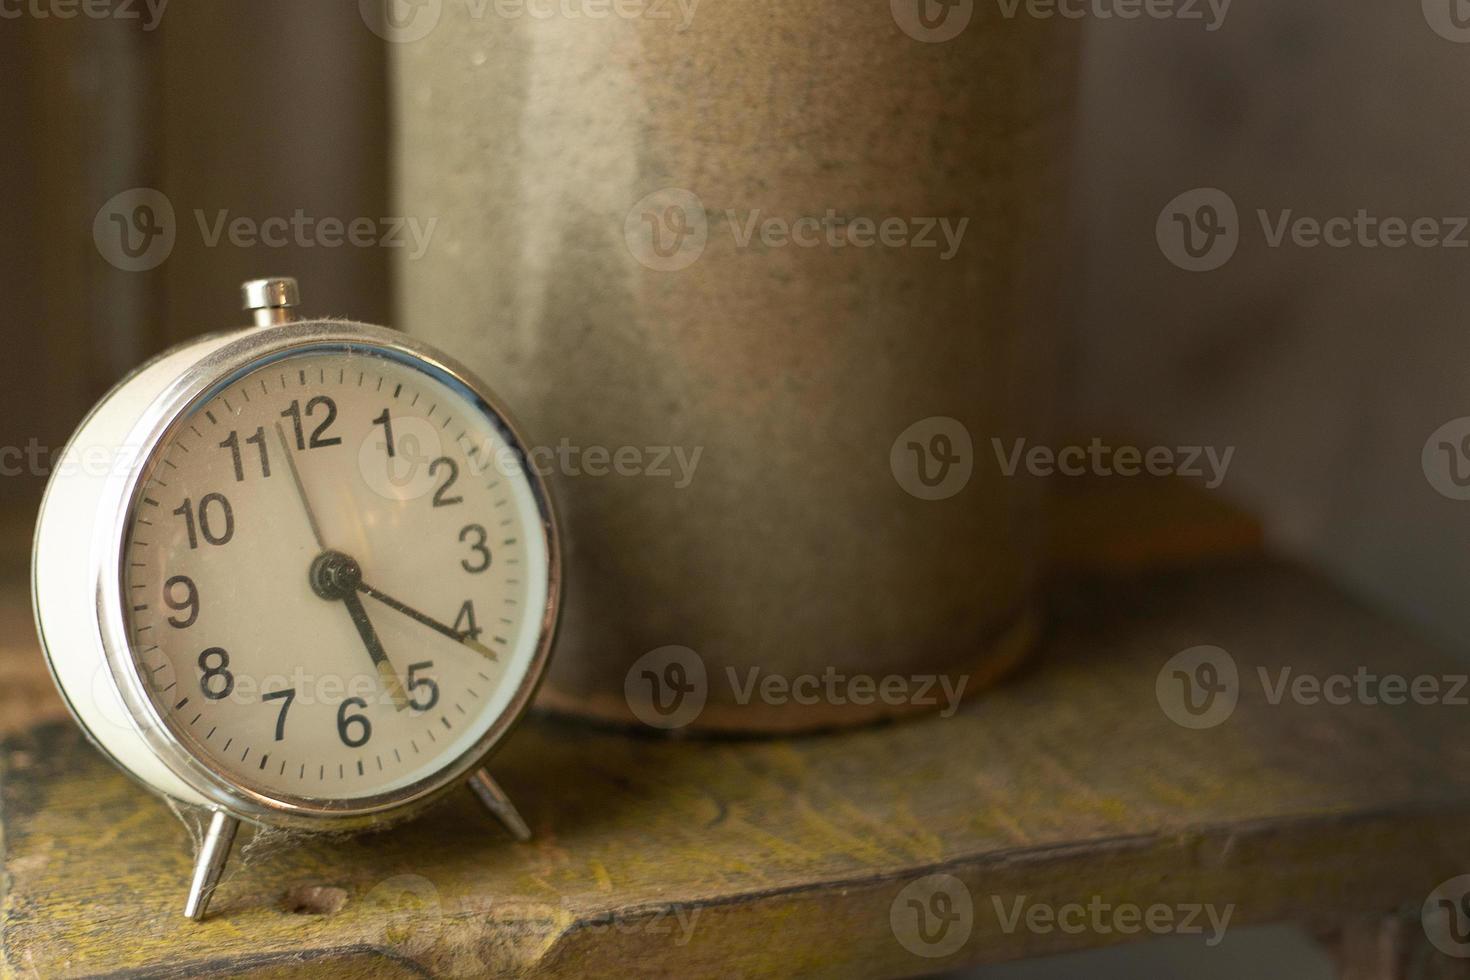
x=216, y=371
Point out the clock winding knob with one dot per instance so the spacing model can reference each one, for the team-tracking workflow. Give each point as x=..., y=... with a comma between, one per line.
x=272, y=300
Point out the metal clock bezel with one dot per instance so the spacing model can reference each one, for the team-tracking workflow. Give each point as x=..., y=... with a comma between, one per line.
x=213, y=373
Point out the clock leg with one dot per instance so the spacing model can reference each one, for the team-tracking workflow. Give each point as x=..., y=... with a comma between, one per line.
x=500, y=805
x=210, y=863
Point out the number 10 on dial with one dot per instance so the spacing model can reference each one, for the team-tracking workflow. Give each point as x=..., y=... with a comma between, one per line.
x=319, y=589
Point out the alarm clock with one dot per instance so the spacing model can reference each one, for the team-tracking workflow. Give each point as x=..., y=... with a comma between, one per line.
x=300, y=575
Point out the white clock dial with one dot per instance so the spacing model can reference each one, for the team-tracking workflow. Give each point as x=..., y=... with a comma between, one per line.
x=335, y=575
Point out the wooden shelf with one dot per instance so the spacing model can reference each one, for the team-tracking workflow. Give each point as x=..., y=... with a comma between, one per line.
x=691, y=858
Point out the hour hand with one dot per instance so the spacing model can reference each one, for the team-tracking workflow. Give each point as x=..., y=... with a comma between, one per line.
x=433, y=624
x=375, y=650
x=335, y=576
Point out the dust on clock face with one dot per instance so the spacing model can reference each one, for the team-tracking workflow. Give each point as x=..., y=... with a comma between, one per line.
x=335, y=576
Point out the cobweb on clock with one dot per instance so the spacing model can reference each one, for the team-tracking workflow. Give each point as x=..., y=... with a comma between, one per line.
x=261, y=844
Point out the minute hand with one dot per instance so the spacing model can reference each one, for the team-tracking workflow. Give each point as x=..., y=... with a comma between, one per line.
x=428, y=621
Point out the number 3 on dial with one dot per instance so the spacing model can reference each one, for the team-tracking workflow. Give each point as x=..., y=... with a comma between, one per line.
x=476, y=536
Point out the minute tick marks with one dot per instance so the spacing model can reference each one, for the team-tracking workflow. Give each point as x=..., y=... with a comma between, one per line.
x=412, y=641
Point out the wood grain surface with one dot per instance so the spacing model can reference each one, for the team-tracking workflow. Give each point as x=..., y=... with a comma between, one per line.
x=688, y=858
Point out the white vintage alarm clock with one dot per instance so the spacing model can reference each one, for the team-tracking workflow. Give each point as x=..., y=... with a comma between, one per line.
x=317, y=586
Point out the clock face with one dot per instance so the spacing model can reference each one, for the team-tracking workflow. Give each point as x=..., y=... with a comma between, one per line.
x=336, y=576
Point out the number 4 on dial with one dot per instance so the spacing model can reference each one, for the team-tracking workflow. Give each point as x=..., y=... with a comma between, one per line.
x=465, y=624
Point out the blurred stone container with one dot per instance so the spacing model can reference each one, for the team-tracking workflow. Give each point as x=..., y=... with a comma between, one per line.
x=621, y=252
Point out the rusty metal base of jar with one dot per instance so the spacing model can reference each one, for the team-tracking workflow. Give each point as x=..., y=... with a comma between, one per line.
x=1010, y=647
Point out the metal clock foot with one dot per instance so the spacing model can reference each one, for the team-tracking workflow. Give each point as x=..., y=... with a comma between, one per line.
x=211, y=863
x=500, y=805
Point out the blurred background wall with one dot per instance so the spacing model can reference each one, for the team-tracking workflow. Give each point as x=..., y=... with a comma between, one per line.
x=252, y=110
x=1327, y=368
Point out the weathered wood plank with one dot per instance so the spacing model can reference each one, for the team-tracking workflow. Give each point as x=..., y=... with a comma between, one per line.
x=728, y=858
